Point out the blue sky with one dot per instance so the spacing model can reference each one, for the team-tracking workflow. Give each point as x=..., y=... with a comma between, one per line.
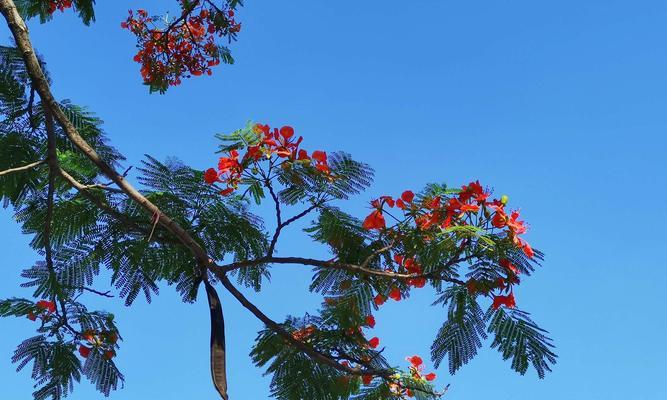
x=560, y=105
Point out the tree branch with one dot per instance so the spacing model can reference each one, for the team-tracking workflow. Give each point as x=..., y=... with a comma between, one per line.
x=23, y=168
x=301, y=346
x=20, y=33
x=347, y=267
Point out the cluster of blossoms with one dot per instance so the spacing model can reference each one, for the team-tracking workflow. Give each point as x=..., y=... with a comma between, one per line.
x=44, y=310
x=416, y=371
x=59, y=5
x=277, y=142
x=184, y=47
x=434, y=215
x=103, y=342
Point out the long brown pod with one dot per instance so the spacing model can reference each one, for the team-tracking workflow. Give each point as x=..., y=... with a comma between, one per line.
x=218, y=363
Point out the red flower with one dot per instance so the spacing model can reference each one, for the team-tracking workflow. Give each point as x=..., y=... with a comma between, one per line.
x=395, y=294
x=505, y=263
x=430, y=377
x=370, y=321
x=400, y=204
x=399, y=259
x=375, y=221
x=412, y=266
x=367, y=379
x=320, y=156
x=321, y=161
x=286, y=132
x=528, y=251
x=408, y=196
x=47, y=305
x=84, y=351
x=416, y=361
x=517, y=227
x=388, y=200
x=211, y=176
x=469, y=207
x=109, y=354
x=374, y=342
x=507, y=301
x=227, y=192
x=473, y=190
x=417, y=282
x=500, y=219
x=379, y=300
x=31, y=316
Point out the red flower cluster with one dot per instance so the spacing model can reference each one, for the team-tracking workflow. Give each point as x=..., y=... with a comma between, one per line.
x=44, y=310
x=412, y=267
x=442, y=213
x=277, y=142
x=104, y=341
x=376, y=220
x=185, y=47
x=59, y=5
x=432, y=215
x=507, y=301
x=417, y=368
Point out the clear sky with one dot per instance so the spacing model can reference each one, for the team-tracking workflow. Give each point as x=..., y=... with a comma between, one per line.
x=560, y=105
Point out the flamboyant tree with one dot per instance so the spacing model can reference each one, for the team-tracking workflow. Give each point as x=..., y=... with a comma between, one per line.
x=62, y=179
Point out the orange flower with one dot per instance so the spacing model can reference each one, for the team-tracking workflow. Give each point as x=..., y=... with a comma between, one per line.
x=375, y=221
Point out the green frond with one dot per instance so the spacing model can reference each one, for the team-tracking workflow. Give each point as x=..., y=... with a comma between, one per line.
x=518, y=338
x=55, y=366
x=461, y=335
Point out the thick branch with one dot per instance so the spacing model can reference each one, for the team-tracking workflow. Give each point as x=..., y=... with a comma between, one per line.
x=20, y=32
x=23, y=168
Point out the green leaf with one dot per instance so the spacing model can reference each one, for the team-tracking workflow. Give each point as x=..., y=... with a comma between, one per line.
x=518, y=338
